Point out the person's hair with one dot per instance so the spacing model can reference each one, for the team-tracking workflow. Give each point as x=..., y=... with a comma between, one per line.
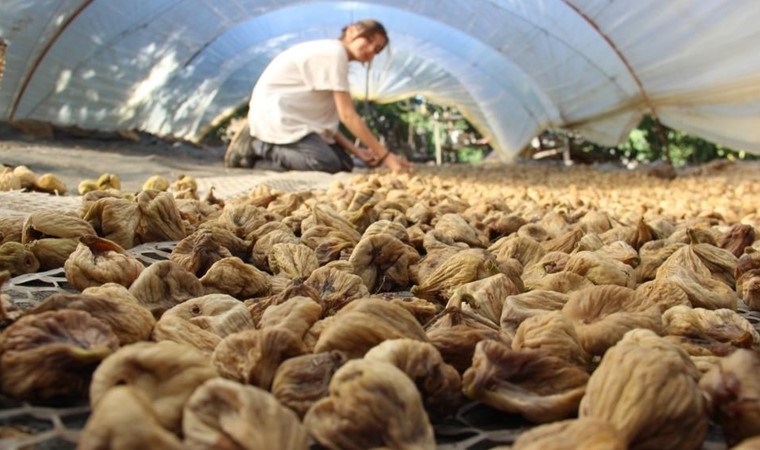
x=367, y=28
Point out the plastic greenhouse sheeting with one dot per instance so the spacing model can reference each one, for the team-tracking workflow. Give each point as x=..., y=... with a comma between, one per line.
x=513, y=67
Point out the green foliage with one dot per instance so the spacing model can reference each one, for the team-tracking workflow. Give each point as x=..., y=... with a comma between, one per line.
x=410, y=126
x=647, y=142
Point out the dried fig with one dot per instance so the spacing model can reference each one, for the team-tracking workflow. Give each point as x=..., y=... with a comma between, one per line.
x=647, y=388
x=110, y=303
x=234, y=277
x=364, y=323
x=164, y=284
x=253, y=356
x=603, y=314
x=224, y=414
x=126, y=420
x=584, y=433
x=733, y=392
x=439, y=383
x=166, y=373
x=99, y=261
x=203, y=321
x=17, y=259
x=371, y=405
x=53, y=354
x=541, y=387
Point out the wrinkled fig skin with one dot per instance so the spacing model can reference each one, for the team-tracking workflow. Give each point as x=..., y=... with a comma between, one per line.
x=382, y=261
x=297, y=314
x=739, y=237
x=520, y=307
x=366, y=322
x=52, y=253
x=163, y=285
x=439, y=383
x=203, y=321
x=486, y=297
x=371, y=404
x=159, y=217
x=224, y=414
x=252, y=356
x=733, y=391
x=535, y=384
x=53, y=354
x=292, y=260
x=17, y=259
x=126, y=420
x=198, y=252
x=114, y=219
x=54, y=224
x=710, y=326
x=603, y=314
x=336, y=288
x=461, y=268
x=98, y=261
x=10, y=228
x=586, y=433
x=456, y=343
x=166, y=373
x=234, y=277
x=128, y=320
x=263, y=246
x=647, y=388
x=302, y=380
x=554, y=333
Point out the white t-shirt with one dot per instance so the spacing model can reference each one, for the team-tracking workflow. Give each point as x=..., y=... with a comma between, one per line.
x=294, y=95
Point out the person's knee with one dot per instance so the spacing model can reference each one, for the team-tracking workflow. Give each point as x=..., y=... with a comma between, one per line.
x=328, y=163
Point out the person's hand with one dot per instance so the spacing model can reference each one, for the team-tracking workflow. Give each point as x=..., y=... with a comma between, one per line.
x=396, y=164
x=366, y=155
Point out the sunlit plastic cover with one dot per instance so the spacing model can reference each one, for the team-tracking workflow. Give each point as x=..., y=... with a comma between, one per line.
x=513, y=67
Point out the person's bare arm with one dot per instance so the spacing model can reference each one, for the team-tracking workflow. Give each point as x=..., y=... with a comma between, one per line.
x=355, y=124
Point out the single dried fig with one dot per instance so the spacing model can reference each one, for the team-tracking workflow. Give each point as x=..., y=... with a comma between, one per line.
x=520, y=307
x=112, y=304
x=553, y=333
x=584, y=433
x=225, y=414
x=53, y=354
x=733, y=393
x=234, y=277
x=166, y=373
x=253, y=356
x=203, y=321
x=126, y=420
x=17, y=259
x=302, y=380
x=98, y=261
x=603, y=314
x=198, y=252
x=114, y=219
x=371, y=405
x=364, y=323
x=439, y=383
x=382, y=261
x=336, y=288
x=647, y=388
x=292, y=260
x=159, y=218
x=164, y=284
x=541, y=387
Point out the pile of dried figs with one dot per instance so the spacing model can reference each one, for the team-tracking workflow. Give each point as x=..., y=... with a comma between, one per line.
x=605, y=307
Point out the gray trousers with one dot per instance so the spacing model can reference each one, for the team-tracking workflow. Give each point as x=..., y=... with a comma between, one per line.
x=310, y=153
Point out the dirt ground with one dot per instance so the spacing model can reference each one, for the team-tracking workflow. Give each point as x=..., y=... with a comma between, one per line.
x=73, y=159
